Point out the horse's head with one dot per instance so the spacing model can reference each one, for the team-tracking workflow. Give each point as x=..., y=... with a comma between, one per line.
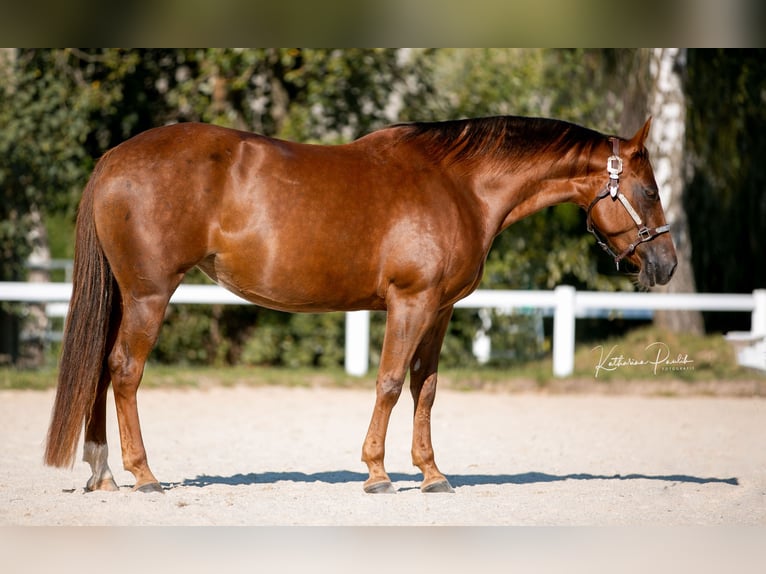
x=625, y=213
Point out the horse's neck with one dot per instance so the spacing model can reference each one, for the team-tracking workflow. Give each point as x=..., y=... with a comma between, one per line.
x=512, y=196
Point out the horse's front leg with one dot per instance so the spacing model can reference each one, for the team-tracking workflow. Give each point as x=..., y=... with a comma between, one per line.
x=423, y=379
x=406, y=324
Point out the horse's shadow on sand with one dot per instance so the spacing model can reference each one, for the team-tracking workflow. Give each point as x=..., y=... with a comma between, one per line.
x=457, y=480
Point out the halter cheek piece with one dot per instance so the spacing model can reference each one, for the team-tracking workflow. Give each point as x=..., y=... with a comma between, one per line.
x=612, y=189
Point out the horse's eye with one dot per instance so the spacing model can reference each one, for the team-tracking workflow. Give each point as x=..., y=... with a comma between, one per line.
x=651, y=192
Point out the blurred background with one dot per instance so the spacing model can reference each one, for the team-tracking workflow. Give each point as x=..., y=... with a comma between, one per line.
x=60, y=109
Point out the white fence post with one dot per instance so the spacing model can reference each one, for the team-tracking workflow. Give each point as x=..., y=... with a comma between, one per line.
x=564, y=331
x=758, y=325
x=357, y=359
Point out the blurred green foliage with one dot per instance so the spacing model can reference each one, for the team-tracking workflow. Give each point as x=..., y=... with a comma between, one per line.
x=60, y=109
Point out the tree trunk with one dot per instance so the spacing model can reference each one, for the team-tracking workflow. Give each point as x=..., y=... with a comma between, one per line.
x=35, y=325
x=666, y=144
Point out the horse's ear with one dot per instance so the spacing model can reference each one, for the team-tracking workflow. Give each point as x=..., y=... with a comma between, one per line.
x=637, y=142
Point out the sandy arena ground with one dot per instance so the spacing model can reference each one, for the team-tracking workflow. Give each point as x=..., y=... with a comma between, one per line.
x=290, y=456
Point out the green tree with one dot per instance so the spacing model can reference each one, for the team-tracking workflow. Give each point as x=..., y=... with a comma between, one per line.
x=42, y=160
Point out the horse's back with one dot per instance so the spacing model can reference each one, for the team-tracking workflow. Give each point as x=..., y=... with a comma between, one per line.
x=191, y=161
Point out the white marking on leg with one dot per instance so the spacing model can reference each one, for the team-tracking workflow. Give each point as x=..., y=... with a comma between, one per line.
x=97, y=456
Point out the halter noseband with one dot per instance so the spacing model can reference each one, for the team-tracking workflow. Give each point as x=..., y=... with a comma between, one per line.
x=614, y=167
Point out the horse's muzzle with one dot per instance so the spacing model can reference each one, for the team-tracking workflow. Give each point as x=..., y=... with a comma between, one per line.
x=657, y=272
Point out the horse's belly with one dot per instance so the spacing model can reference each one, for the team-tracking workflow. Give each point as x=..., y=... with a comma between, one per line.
x=296, y=283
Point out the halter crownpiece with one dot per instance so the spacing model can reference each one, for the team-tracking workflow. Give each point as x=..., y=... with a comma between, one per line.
x=614, y=168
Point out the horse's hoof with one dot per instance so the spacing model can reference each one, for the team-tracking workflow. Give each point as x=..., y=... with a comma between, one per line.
x=440, y=486
x=107, y=484
x=384, y=487
x=149, y=487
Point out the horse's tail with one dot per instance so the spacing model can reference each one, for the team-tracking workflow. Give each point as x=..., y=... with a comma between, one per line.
x=85, y=335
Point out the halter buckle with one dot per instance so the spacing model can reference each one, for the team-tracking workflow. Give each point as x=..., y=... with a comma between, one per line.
x=614, y=167
x=644, y=234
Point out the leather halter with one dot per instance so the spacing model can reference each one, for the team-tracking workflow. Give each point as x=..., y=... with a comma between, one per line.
x=614, y=167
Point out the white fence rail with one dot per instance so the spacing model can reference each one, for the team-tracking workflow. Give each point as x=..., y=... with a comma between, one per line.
x=565, y=303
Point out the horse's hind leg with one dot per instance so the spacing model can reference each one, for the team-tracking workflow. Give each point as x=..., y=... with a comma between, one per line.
x=423, y=388
x=95, y=451
x=141, y=321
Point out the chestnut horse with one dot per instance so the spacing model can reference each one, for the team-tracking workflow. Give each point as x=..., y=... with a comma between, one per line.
x=399, y=220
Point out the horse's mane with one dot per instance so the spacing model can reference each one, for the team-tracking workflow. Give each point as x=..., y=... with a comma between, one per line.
x=502, y=137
